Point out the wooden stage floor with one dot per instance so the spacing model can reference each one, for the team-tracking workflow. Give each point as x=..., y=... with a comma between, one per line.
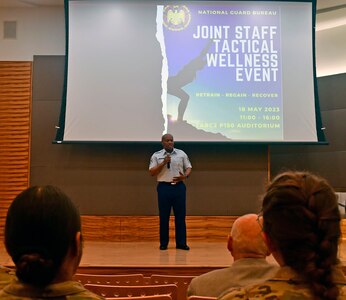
x=146, y=258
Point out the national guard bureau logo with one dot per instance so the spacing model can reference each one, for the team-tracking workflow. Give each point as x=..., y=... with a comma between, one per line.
x=176, y=17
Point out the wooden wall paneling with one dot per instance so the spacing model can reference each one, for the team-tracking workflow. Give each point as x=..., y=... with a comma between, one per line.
x=146, y=228
x=343, y=228
x=15, y=112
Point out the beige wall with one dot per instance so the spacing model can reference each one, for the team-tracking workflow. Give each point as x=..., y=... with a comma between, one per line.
x=41, y=31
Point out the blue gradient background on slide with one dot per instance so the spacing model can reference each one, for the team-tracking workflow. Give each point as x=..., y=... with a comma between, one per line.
x=236, y=109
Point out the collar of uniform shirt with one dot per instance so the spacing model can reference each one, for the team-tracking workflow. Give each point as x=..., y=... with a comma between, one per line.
x=169, y=153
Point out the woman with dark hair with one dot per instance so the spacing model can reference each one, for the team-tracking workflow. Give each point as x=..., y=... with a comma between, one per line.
x=43, y=237
x=301, y=224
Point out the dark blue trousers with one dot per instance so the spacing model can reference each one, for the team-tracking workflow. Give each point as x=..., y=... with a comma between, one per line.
x=172, y=196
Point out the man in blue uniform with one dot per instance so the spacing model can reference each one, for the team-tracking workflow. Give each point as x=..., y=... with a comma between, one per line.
x=171, y=166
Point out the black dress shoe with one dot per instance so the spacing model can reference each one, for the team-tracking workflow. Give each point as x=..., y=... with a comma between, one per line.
x=163, y=247
x=183, y=247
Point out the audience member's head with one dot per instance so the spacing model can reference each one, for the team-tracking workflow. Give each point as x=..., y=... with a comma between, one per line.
x=246, y=238
x=43, y=236
x=302, y=223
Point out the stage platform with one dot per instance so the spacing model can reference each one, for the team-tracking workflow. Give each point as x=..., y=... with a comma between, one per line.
x=147, y=259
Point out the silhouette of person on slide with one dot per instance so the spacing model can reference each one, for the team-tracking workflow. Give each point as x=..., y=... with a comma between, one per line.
x=186, y=75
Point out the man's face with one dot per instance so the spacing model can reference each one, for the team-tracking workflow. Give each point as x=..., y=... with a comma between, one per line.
x=168, y=142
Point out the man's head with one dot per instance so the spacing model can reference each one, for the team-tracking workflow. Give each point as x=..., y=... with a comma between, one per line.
x=246, y=239
x=42, y=231
x=167, y=142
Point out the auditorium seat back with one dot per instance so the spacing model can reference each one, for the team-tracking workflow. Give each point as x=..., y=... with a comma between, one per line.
x=181, y=281
x=104, y=279
x=116, y=291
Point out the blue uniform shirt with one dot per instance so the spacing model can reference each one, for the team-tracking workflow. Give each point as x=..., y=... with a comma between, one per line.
x=179, y=163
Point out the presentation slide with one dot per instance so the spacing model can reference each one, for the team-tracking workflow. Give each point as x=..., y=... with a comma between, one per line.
x=204, y=71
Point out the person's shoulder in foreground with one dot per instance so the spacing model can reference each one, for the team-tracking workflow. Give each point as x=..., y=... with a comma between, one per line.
x=63, y=290
x=10, y=288
x=242, y=272
x=6, y=276
x=284, y=285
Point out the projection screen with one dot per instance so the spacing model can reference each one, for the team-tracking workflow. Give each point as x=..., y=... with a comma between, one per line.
x=205, y=71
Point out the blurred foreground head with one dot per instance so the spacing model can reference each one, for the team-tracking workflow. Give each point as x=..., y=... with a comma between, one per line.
x=42, y=235
x=301, y=220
